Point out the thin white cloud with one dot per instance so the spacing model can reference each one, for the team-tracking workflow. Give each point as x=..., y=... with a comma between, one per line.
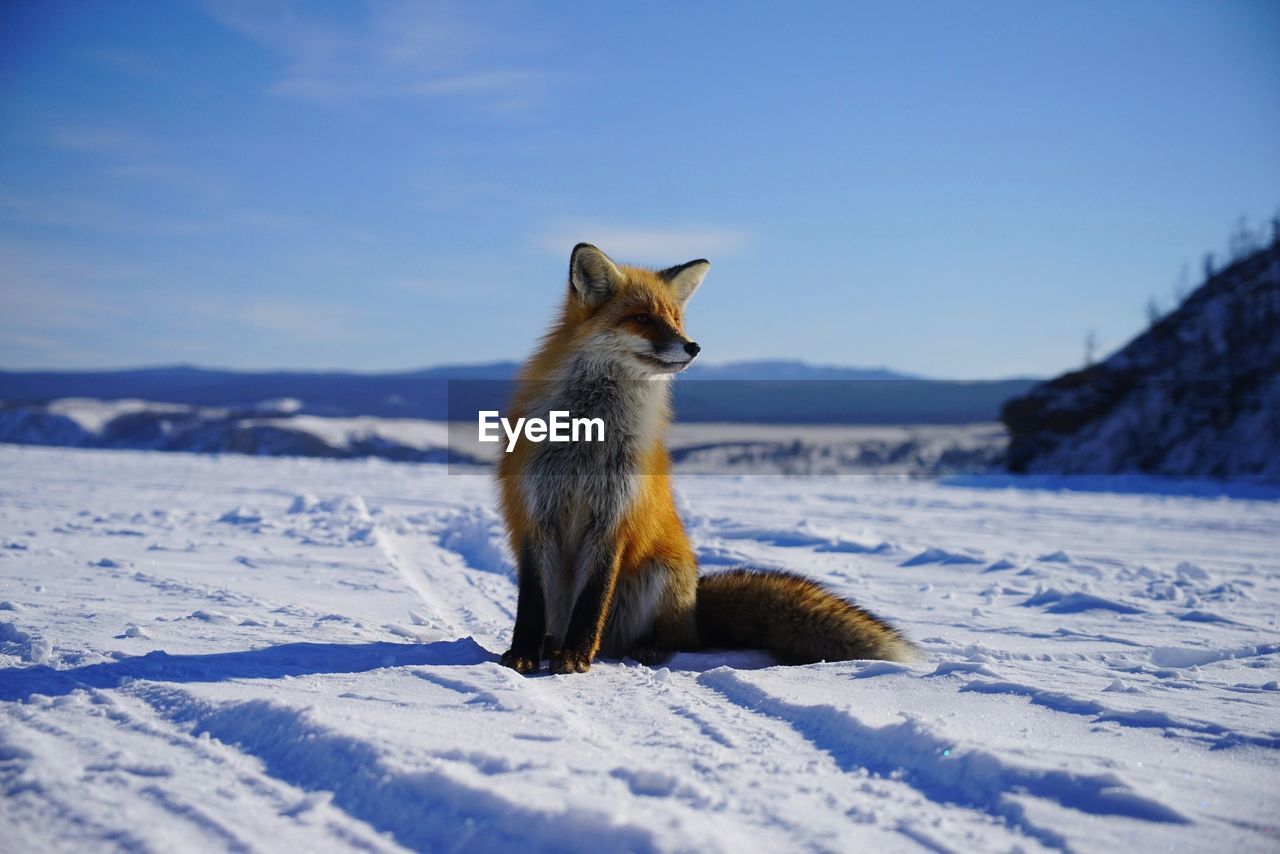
x=260, y=220
x=84, y=212
x=91, y=214
x=125, y=62
x=646, y=245
x=202, y=183
x=498, y=80
x=132, y=156
x=296, y=319
x=39, y=309
x=27, y=268
x=332, y=88
x=52, y=302
x=96, y=140
x=391, y=50
x=29, y=342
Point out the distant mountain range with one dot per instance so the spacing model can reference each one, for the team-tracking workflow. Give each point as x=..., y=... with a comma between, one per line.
x=759, y=391
x=782, y=369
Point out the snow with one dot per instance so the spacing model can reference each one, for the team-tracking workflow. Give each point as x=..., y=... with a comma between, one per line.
x=92, y=415
x=276, y=428
x=209, y=653
x=344, y=432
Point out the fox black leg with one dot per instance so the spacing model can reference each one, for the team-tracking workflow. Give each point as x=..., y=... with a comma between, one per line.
x=582, y=639
x=531, y=617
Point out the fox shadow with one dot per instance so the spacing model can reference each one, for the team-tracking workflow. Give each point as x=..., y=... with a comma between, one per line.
x=272, y=662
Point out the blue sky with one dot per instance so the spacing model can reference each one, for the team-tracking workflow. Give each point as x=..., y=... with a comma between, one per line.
x=958, y=190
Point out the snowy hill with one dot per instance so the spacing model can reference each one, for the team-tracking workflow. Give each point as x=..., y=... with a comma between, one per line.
x=273, y=428
x=277, y=428
x=1196, y=394
x=206, y=653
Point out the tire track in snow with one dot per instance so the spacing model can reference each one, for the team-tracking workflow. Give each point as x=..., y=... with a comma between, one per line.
x=785, y=788
x=35, y=800
x=875, y=810
x=392, y=548
x=147, y=775
x=609, y=753
x=967, y=777
x=423, y=809
x=1214, y=735
x=614, y=740
x=217, y=832
x=218, y=595
x=434, y=558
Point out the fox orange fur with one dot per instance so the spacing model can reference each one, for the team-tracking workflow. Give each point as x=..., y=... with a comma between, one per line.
x=604, y=563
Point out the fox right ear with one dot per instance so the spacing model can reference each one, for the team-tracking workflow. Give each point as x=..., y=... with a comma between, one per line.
x=592, y=275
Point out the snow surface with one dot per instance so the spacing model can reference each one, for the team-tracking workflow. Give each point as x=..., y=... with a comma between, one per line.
x=211, y=653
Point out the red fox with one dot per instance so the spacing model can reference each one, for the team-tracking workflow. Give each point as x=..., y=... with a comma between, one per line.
x=603, y=560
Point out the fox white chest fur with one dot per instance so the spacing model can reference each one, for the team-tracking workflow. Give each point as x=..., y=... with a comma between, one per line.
x=579, y=493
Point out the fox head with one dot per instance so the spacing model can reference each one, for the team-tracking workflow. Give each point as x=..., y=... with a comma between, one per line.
x=630, y=316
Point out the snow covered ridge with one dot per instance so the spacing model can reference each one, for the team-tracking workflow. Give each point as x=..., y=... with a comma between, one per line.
x=1196, y=394
x=925, y=449
x=272, y=428
x=275, y=428
x=208, y=653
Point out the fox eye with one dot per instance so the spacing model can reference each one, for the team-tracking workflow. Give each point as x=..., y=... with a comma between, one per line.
x=642, y=318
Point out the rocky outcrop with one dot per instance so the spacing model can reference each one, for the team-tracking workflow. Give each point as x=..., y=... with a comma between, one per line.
x=1198, y=393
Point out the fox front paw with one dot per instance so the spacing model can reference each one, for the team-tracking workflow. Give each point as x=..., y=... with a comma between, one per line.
x=565, y=661
x=519, y=663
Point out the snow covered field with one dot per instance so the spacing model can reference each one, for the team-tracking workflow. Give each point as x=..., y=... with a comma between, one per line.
x=259, y=654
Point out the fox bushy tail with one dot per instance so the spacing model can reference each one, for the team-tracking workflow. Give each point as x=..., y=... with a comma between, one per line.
x=793, y=617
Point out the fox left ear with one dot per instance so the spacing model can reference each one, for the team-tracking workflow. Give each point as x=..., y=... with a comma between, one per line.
x=592, y=275
x=685, y=278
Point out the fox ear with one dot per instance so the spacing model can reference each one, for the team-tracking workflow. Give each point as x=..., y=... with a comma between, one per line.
x=592, y=275
x=685, y=278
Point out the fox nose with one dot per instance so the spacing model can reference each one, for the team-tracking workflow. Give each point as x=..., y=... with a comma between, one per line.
x=692, y=348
